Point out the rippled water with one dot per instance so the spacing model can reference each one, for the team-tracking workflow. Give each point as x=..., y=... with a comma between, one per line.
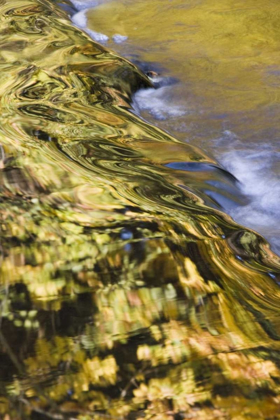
x=222, y=58
x=126, y=291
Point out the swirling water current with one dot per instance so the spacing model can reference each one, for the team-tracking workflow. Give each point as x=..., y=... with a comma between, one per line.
x=126, y=290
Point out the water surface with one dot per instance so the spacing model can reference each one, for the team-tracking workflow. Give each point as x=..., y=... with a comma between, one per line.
x=126, y=291
x=222, y=62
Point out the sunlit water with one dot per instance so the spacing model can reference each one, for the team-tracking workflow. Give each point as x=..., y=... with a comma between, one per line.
x=223, y=64
x=126, y=291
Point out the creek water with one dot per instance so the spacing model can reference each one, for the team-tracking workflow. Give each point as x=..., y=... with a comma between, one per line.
x=126, y=289
x=221, y=75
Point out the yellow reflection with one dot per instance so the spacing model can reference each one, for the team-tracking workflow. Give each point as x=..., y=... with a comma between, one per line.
x=122, y=291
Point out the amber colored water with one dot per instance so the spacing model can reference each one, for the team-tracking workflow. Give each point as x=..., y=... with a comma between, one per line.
x=126, y=290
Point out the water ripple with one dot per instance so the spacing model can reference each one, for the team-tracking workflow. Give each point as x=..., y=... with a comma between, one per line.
x=125, y=288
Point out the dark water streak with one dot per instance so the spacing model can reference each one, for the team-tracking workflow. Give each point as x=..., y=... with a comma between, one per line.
x=125, y=289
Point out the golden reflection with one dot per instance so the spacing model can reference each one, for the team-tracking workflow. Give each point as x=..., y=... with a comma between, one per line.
x=125, y=291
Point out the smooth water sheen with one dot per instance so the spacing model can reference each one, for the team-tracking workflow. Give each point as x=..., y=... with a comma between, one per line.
x=126, y=291
x=224, y=59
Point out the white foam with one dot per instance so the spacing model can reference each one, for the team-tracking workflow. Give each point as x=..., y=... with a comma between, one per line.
x=97, y=36
x=256, y=171
x=156, y=102
x=80, y=20
x=86, y=4
x=118, y=39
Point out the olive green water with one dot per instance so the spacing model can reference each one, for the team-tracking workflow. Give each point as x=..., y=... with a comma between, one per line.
x=126, y=292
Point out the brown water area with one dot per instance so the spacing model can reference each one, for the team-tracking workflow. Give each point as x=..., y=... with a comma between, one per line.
x=126, y=291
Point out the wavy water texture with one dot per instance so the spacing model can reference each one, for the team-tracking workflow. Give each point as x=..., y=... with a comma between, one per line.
x=222, y=59
x=126, y=292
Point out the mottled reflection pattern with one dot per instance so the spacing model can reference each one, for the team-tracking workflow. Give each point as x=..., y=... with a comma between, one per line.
x=126, y=292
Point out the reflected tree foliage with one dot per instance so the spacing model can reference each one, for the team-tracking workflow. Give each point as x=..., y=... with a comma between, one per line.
x=126, y=292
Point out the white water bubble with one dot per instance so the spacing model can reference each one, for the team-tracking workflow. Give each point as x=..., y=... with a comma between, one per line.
x=80, y=20
x=86, y=4
x=156, y=102
x=97, y=36
x=260, y=182
x=118, y=39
